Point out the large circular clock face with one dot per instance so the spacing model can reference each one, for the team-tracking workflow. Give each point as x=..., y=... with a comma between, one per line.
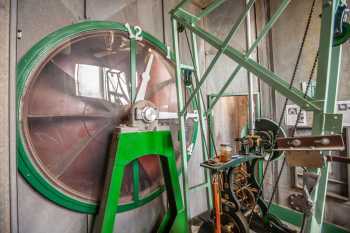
x=75, y=93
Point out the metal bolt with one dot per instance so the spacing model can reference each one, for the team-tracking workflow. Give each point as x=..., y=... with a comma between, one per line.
x=19, y=34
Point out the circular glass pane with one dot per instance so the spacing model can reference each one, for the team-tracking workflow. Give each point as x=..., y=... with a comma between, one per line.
x=76, y=98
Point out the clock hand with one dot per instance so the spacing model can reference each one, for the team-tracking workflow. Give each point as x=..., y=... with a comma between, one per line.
x=174, y=115
x=145, y=79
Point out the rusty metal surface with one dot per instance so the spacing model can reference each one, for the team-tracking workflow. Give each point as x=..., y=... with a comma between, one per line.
x=326, y=142
x=309, y=159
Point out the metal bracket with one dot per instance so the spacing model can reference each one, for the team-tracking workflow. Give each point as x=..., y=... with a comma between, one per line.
x=311, y=143
x=333, y=123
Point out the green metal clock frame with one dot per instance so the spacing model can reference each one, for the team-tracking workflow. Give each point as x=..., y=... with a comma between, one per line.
x=28, y=64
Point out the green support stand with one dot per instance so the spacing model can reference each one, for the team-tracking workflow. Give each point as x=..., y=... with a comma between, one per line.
x=130, y=145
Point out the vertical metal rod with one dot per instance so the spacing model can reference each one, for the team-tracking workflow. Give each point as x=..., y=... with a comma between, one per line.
x=217, y=202
x=262, y=34
x=225, y=44
x=135, y=164
x=335, y=72
x=251, y=113
x=12, y=116
x=182, y=133
x=133, y=51
x=85, y=10
x=202, y=114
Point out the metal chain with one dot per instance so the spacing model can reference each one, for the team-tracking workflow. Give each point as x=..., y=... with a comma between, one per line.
x=301, y=48
x=293, y=131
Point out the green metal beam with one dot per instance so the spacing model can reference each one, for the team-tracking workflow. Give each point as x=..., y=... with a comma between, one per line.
x=260, y=71
x=157, y=143
x=221, y=50
x=202, y=115
x=182, y=132
x=326, y=90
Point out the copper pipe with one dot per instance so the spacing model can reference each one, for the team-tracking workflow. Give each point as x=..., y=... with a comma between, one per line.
x=216, y=200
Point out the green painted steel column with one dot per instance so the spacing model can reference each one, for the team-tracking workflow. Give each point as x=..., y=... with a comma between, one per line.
x=156, y=143
x=202, y=114
x=182, y=133
x=326, y=94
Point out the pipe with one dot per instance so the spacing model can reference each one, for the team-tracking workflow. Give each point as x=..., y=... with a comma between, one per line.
x=216, y=199
x=251, y=112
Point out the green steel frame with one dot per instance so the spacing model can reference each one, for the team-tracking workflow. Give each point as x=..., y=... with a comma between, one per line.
x=27, y=65
x=326, y=121
x=143, y=143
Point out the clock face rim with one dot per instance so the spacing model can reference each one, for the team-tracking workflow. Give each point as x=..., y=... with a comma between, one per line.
x=26, y=69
